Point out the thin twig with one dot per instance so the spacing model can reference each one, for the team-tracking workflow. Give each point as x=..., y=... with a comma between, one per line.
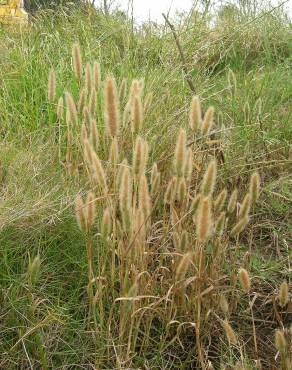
x=181, y=53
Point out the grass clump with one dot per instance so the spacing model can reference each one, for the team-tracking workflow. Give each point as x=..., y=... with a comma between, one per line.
x=136, y=232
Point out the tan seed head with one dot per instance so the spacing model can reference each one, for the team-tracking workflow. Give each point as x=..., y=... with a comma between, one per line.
x=112, y=115
x=52, y=86
x=195, y=119
x=77, y=61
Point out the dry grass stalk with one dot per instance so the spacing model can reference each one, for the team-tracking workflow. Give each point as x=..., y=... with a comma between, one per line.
x=112, y=115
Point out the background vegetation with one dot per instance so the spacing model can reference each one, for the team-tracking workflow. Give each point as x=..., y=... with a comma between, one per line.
x=240, y=63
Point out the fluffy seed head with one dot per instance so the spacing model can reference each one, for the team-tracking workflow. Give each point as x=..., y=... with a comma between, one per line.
x=189, y=164
x=112, y=115
x=125, y=192
x=229, y=332
x=170, y=191
x=136, y=114
x=283, y=294
x=86, y=115
x=71, y=108
x=92, y=102
x=254, y=187
x=232, y=81
x=239, y=227
x=94, y=139
x=52, y=86
x=96, y=76
x=195, y=119
x=60, y=108
x=209, y=179
x=203, y=221
x=220, y=201
x=148, y=102
x=180, y=153
x=98, y=172
x=81, y=101
x=183, y=267
x=123, y=90
x=280, y=341
x=232, y=201
x=125, y=197
x=140, y=156
x=220, y=224
x=33, y=270
x=181, y=190
x=144, y=197
x=80, y=212
x=88, y=78
x=114, y=151
x=106, y=225
x=195, y=203
x=224, y=304
x=135, y=88
x=155, y=180
x=208, y=121
x=245, y=207
x=90, y=210
x=244, y=280
x=84, y=135
x=77, y=61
